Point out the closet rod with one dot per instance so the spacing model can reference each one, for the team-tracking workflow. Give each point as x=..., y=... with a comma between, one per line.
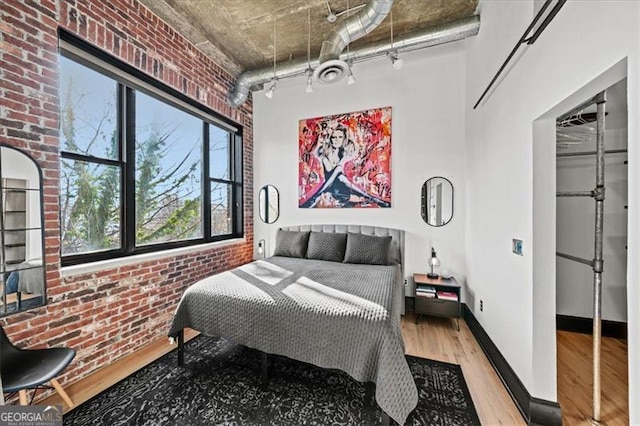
x=599, y=98
x=577, y=154
x=526, y=39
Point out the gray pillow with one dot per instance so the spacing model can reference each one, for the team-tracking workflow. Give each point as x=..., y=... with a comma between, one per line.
x=291, y=243
x=367, y=249
x=327, y=246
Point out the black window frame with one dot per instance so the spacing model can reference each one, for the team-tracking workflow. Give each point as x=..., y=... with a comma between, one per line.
x=126, y=158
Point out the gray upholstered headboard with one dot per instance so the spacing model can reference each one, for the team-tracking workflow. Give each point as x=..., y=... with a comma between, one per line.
x=397, y=235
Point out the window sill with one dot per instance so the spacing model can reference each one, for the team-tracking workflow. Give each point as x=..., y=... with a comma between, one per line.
x=87, y=268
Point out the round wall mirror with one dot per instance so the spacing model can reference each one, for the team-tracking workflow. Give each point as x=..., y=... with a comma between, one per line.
x=269, y=204
x=437, y=201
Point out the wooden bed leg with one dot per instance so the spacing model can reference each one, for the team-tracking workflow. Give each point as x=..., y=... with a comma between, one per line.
x=181, y=347
x=265, y=371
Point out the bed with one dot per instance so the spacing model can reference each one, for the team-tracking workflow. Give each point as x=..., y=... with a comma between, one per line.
x=331, y=296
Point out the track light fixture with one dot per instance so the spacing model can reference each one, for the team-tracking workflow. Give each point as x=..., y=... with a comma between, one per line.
x=393, y=53
x=272, y=89
x=396, y=61
x=350, y=79
x=309, y=73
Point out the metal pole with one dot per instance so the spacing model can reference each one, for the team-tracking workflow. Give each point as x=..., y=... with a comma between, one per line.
x=598, y=261
x=575, y=194
x=575, y=258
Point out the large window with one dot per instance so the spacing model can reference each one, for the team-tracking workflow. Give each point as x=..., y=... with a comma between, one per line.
x=141, y=169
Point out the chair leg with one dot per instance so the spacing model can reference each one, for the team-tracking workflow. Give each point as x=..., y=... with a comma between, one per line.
x=23, y=397
x=62, y=393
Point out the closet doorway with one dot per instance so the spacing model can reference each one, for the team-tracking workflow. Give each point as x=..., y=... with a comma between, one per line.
x=586, y=234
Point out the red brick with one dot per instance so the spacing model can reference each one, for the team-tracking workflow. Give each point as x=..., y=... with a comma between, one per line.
x=96, y=313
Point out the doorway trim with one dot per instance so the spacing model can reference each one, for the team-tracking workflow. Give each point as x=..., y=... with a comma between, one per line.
x=544, y=231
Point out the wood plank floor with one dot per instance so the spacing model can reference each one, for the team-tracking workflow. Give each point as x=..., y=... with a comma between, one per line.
x=575, y=380
x=435, y=338
x=438, y=338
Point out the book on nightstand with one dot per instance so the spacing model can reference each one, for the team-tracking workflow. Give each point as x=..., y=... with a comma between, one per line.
x=425, y=291
x=447, y=295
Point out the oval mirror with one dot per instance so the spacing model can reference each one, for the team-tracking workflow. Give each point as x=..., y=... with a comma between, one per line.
x=269, y=204
x=22, y=270
x=437, y=201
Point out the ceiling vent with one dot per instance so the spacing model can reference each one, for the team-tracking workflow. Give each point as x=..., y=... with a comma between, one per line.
x=331, y=71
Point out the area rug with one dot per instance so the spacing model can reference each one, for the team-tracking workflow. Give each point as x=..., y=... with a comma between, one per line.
x=221, y=384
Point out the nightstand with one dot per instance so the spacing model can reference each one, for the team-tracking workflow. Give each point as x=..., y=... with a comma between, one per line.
x=448, y=305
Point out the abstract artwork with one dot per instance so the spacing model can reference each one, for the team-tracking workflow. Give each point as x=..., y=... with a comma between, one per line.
x=345, y=160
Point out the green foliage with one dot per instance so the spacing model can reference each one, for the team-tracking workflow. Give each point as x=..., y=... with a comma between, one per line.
x=168, y=207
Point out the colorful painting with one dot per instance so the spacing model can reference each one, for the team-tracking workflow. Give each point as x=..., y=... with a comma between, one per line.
x=345, y=160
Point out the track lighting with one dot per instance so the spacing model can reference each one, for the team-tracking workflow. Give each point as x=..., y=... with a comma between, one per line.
x=309, y=71
x=309, y=80
x=272, y=89
x=396, y=61
x=393, y=53
x=350, y=79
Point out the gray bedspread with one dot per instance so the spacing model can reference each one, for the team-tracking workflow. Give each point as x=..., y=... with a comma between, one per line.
x=329, y=314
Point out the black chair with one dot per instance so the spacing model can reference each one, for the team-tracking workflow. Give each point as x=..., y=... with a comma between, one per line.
x=22, y=369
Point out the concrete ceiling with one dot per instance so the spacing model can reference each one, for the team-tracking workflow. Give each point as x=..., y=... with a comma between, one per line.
x=238, y=34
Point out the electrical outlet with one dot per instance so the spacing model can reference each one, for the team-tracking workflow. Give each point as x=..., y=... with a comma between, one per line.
x=481, y=306
x=406, y=282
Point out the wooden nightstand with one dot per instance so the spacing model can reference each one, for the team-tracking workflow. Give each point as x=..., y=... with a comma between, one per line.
x=449, y=307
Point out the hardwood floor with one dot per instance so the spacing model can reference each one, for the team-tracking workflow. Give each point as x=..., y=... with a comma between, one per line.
x=575, y=381
x=435, y=338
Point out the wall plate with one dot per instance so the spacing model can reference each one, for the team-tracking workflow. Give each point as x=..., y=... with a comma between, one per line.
x=517, y=246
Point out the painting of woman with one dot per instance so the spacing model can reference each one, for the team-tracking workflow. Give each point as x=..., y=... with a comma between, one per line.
x=345, y=160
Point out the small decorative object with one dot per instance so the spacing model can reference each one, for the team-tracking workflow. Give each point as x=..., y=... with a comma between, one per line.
x=434, y=262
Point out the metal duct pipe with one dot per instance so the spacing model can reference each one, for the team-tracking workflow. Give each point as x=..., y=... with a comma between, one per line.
x=332, y=69
x=440, y=34
x=355, y=27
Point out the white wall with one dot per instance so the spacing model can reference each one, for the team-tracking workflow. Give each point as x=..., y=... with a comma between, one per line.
x=427, y=100
x=585, y=40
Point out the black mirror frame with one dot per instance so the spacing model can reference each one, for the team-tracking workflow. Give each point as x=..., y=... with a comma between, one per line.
x=423, y=202
x=264, y=215
x=42, y=232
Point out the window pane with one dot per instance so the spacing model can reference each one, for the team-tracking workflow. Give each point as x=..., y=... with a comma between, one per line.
x=219, y=152
x=88, y=116
x=168, y=173
x=89, y=206
x=220, y=208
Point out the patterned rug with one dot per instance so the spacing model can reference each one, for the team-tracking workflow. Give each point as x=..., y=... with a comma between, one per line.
x=221, y=384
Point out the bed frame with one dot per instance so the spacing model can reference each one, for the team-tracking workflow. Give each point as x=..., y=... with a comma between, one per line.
x=396, y=255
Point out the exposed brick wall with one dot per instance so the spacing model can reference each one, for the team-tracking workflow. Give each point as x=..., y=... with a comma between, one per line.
x=111, y=313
